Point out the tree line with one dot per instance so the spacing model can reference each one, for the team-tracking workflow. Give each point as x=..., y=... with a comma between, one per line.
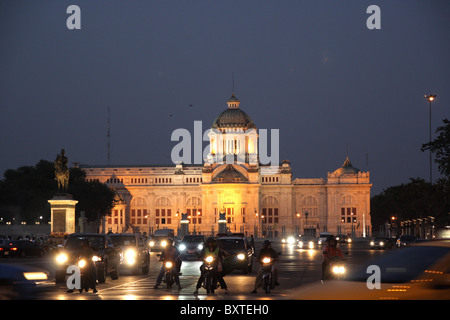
x=24, y=194
x=419, y=198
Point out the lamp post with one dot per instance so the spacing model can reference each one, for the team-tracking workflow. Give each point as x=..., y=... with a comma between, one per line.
x=430, y=98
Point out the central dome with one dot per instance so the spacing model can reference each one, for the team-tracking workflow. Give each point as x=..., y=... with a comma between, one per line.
x=233, y=117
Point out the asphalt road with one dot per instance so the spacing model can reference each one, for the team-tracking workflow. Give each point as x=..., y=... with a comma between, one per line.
x=297, y=267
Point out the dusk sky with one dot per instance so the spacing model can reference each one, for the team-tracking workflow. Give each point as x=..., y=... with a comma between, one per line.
x=311, y=69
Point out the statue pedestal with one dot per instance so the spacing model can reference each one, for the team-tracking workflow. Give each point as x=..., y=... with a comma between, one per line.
x=63, y=213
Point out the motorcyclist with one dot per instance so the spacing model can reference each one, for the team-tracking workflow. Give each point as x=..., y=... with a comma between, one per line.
x=212, y=249
x=170, y=253
x=330, y=252
x=86, y=253
x=266, y=251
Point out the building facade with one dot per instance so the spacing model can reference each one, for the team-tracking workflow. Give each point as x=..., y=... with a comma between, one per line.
x=257, y=199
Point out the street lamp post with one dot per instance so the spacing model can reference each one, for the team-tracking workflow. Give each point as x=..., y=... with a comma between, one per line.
x=430, y=98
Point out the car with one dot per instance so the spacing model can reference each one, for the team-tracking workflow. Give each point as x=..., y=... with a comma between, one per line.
x=305, y=242
x=381, y=243
x=343, y=238
x=417, y=272
x=240, y=253
x=23, y=282
x=21, y=248
x=159, y=240
x=191, y=246
x=134, y=249
x=406, y=240
x=323, y=236
x=107, y=260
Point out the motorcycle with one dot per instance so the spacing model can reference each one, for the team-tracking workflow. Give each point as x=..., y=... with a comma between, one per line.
x=169, y=277
x=210, y=276
x=266, y=274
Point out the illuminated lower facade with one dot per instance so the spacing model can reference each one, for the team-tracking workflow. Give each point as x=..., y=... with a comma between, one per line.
x=255, y=201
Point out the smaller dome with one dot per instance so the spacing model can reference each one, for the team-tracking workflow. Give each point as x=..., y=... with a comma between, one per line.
x=346, y=168
x=230, y=175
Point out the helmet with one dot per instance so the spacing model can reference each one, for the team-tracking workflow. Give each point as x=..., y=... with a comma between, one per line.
x=266, y=243
x=212, y=241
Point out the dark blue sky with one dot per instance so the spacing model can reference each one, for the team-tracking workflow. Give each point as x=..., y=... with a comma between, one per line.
x=309, y=68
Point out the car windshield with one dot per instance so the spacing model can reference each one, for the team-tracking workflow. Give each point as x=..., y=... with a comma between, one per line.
x=379, y=239
x=403, y=265
x=192, y=239
x=124, y=240
x=94, y=242
x=231, y=245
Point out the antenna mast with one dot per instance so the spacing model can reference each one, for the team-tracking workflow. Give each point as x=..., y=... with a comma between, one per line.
x=108, y=136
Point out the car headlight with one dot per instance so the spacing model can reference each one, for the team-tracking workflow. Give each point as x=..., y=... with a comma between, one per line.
x=61, y=258
x=182, y=247
x=35, y=276
x=96, y=258
x=372, y=243
x=164, y=243
x=152, y=243
x=200, y=246
x=290, y=240
x=349, y=240
x=130, y=255
x=300, y=244
x=241, y=256
x=381, y=243
x=311, y=244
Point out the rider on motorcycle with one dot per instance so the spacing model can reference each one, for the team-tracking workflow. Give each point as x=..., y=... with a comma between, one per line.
x=266, y=251
x=86, y=253
x=330, y=252
x=170, y=253
x=212, y=249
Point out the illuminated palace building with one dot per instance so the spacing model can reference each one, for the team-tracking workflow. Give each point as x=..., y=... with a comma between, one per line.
x=255, y=201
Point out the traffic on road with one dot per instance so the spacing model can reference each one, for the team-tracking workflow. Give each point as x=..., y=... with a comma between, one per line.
x=227, y=267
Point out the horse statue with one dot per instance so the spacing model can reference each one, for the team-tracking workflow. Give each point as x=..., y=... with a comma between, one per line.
x=61, y=171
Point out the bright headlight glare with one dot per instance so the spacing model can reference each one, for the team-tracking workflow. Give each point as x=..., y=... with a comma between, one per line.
x=290, y=240
x=61, y=258
x=338, y=269
x=381, y=243
x=164, y=243
x=182, y=247
x=168, y=264
x=82, y=263
x=372, y=243
x=200, y=246
x=35, y=275
x=311, y=244
x=130, y=253
x=266, y=260
x=241, y=256
x=152, y=243
x=209, y=259
x=96, y=258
